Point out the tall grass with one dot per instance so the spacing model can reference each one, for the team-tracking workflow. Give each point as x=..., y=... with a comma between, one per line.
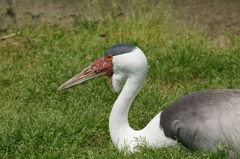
x=36, y=121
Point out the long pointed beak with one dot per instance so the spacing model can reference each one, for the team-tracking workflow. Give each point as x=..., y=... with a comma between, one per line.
x=87, y=74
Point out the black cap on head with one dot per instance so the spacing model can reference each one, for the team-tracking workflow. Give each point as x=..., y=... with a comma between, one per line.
x=120, y=49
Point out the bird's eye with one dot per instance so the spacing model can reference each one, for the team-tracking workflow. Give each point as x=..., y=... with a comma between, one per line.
x=109, y=58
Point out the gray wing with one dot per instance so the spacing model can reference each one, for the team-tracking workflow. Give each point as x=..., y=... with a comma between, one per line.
x=204, y=119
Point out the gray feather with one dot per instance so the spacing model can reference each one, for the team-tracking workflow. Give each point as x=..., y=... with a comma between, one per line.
x=202, y=120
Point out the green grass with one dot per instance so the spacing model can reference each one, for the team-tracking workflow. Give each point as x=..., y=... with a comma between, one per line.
x=36, y=121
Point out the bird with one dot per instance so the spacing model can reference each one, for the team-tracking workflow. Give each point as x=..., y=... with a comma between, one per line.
x=199, y=120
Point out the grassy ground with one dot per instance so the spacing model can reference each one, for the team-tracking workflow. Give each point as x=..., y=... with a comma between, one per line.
x=36, y=121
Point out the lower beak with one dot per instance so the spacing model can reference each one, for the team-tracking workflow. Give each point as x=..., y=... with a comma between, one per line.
x=87, y=74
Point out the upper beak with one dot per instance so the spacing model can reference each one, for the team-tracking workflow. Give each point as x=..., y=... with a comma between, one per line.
x=87, y=74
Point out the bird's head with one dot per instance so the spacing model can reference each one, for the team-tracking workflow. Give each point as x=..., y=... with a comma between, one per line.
x=119, y=62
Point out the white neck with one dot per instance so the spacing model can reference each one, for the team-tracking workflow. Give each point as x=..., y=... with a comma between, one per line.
x=122, y=135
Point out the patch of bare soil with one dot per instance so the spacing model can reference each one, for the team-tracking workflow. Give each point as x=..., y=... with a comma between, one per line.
x=34, y=12
x=215, y=15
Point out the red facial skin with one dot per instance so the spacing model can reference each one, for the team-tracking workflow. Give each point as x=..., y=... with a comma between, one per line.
x=100, y=67
x=103, y=67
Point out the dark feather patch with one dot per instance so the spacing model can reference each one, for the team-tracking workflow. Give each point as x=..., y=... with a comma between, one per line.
x=120, y=49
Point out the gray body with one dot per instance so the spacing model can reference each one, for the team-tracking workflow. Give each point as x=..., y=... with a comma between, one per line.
x=202, y=120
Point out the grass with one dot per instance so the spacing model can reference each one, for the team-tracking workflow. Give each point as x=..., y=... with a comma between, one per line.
x=36, y=121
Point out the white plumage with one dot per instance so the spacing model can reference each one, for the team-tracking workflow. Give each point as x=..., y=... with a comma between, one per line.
x=133, y=67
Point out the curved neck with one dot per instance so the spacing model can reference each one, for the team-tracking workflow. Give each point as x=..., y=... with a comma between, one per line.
x=118, y=121
x=122, y=135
